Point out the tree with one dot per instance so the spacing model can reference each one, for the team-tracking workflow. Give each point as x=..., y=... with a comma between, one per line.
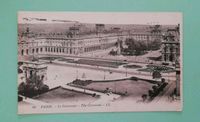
x=156, y=44
x=112, y=52
x=156, y=74
x=34, y=85
x=21, y=88
x=130, y=43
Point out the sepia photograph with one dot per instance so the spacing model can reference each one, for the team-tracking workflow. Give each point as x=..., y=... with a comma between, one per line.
x=73, y=62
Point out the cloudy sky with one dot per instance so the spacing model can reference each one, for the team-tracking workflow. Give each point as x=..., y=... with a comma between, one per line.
x=165, y=18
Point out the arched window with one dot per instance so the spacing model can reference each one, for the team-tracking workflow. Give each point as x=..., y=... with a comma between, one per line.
x=171, y=49
x=22, y=52
x=36, y=50
x=171, y=57
x=165, y=57
x=70, y=51
x=177, y=50
x=33, y=50
x=27, y=51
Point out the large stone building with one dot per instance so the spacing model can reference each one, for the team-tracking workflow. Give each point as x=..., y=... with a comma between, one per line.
x=35, y=69
x=171, y=46
x=73, y=42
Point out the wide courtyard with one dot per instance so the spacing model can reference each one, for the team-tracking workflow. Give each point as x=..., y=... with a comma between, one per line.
x=60, y=74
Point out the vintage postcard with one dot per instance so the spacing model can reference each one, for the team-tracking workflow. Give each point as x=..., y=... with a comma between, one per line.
x=99, y=62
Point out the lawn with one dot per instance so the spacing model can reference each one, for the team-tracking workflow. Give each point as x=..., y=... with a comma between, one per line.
x=159, y=58
x=67, y=60
x=48, y=58
x=133, y=66
x=161, y=68
x=102, y=63
x=133, y=88
x=61, y=95
x=112, y=64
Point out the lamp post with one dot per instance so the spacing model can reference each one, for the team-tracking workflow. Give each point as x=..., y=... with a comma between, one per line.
x=104, y=77
x=126, y=67
x=126, y=71
x=76, y=61
x=76, y=71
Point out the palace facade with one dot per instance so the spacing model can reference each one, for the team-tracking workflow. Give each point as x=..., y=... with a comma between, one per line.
x=74, y=43
x=62, y=45
x=171, y=46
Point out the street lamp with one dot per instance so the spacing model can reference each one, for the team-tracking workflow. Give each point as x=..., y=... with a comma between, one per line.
x=126, y=71
x=76, y=61
x=126, y=66
x=104, y=77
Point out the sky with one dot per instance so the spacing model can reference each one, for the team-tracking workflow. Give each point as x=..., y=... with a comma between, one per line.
x=152, y=18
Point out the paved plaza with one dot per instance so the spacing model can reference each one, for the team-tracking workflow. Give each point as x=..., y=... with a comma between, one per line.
x=66, y=74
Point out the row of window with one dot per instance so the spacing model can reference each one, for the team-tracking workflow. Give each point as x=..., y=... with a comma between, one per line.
x=169, y=57
x=47, y=49
x=171, y=49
